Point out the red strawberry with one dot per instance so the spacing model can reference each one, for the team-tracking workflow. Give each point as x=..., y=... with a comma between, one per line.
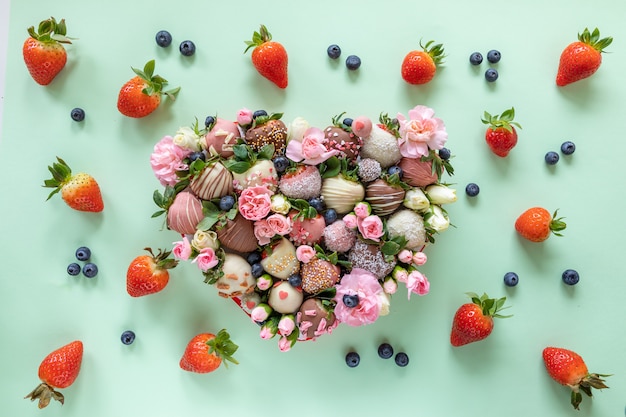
x=206, y=352
x=141, y=95
x=474, y=321
x=57, y=370
x=568, y=368
x=501, y=135
x=43, y=51
x=148, y=274
x=80, y=191
x=536, y=224
x=581, y=59
x=419, y=67
x=269, y=57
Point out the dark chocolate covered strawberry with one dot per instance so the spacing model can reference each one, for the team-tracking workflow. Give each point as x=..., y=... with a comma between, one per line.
x=268, y=130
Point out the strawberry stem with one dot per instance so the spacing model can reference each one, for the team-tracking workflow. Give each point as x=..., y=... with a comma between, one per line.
x=593, y=39
x=489, y=306
x=557, y=224
x=505, y=120
x=258, y=38
x=223, y=347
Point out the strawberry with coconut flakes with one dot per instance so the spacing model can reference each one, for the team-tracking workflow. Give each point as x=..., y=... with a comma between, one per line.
x=501, y=135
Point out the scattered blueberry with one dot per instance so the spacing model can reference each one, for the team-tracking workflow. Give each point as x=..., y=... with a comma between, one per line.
x=552, y=158
x=209, y=121
x=491, y=75
x=227, y=202
x=330, y=216
x=353, y=359
x=347, y=121
x=395, y=170
x=402, y=359
x=568, y=147
x=78, y=114
x=163, y=38
x=90, y=270
x=317, y=204
x=73, y=269
x=295, y=280
x=257, y=270
x=281, y=163
x=353, y=62
x=511, y=279
x=83, y=253
x=472, y=189
x=385, y=351
x=351, y=301
x=253, y=258
x=128, y=337
x=444, y=153
x=476, y=58
x=194, y=156
x=334, y=51
x=570, y=277
x=187, y=48
x=493, y=56
x=259, y=113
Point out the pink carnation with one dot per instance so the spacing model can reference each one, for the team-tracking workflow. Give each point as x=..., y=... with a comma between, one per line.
x=305, y=253
x=286, y=325
x=263, y=232
x=421, y=132
x=182, y=249
x=405, y=256
x=167, y=159
x=281, y=225
x=362, y=210
x=350, y=220
x=255, y=202
x=311, y=150
x=390, y=286
x=206, y=259
x=419, y=258
x=284, y=344
x=244, y=116
x=266, y=333
x=371, y=227
x=365, y=285
x=260, y=313
x=417, y=283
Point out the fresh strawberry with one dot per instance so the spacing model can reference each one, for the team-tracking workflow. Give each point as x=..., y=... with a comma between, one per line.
x=43, y=51
x=57, y=370
x=148, y=274
x=269, y=57
x=80, y=191
x=474, y=321
x=581, y=59
x=536, y=224
x=206, y=352
x=568, y=368
x=141, y=95
x=501, y=135
x=419, y=67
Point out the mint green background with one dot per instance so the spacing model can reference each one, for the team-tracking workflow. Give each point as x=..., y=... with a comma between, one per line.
x=42, y=308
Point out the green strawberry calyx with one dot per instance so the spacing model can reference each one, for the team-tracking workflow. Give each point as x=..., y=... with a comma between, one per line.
x=154, y=83
x=504, y=120
x=259, y=38
x=585, y=385
x=223, y=347
x=593, y=39
x=161, y=259
x=557, y=224
x=50, y=31
x=490, y=306
x=61, y=174
x=436, y=51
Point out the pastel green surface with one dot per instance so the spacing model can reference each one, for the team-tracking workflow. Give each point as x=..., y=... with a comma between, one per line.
x=42, y=308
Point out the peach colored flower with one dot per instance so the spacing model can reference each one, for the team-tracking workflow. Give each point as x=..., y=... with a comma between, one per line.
x=166, y=159
x=255, y=202
x=263, y=232
x=311, y=150
x=206, y=259
x=371, y=228
x=305, y=253
x=281, y=225
x=182, y=249
x=421, y=132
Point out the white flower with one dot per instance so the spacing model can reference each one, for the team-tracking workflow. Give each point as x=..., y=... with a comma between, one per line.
x=437, y=219
x=280, y=204
x=440, y=194
x=186, y=138
x=297, y=128
x=415, y=199
x=202, y=239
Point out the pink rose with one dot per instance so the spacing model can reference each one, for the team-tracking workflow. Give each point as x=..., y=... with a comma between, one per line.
x=255, y=202
x=182, y=249
x=284, y=344
x=281, y=225
x=166, y=159
x=405, y=256
x=362, y=210
x=311, y=150
x=244, y=116
x=366, y=287
x=305, y=253
x=371, y=228
x=206, y=259
x=263, y=232
x=390, y=286
x=260, y=313
x=419, y=258
x=417, y=283
x=350, y=221
x=420, y=132
x=286, y=325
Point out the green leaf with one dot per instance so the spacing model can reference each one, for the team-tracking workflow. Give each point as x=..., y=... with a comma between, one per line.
x=148, y=69
x=157, y=213
x=267, y=151
x=208, y=222
x=241, y=152
x=330, y=168
x=390, y=248
x=157, y=197
x=237, y=167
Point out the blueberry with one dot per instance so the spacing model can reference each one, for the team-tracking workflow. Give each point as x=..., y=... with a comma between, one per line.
x=552, y=158
x=209, y=121
x=128, y=337
x=444, y=153
x=351, y=301
x=194, y=156
x=253, y=258
x=227, y=202
x=568, y=147
x=476, y=58
x=395, y=170
x=257, y=270
x=330, y=216
x=402, y=359
x=295, y=280
x=73, y=269
x=347, y=121
x=570, y=277
x=491, y=75
x=353, y=62
x=163, y=38
x=472, y=189
x=77, y=114
x=511, y=279
x=353, y=359
x=187, y=48
x=90, y=270
x=334, y=51
x=317, y=204
x=83, y=253
x=385, y=351
x=259, y=113
x=493, y=56
x=281, y=163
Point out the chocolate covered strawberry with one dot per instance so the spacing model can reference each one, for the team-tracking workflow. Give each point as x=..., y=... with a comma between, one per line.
x=43, y=50
x=581, y=59
x=205, y=352
x=269, y=57
x=79, y=191
x=268, y=130
x=501, y=135
x=536, y=224
x=141, y=95
x=340, y=137
x=474, y=321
